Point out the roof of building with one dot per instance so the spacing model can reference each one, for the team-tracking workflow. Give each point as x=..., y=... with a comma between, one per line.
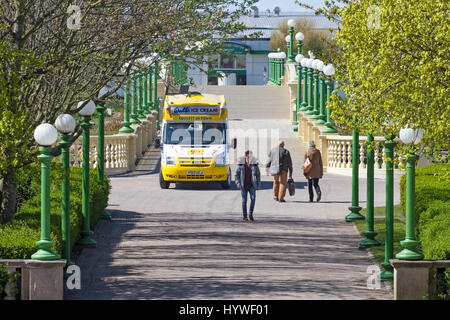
x=264, y=21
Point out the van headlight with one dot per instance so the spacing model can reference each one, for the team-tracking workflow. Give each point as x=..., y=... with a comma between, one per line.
x=169, y=161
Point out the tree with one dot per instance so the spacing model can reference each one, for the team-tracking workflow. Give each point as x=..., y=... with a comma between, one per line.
x=393, y=65
x=316, y=41
x=54, y=55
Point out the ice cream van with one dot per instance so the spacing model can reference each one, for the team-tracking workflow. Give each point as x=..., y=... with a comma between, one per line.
x=194, y=140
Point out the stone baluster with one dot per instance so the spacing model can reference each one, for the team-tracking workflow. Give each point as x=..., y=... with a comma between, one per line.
x=362, y=153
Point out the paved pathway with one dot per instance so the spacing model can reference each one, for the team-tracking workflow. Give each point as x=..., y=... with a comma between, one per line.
x=189, y=242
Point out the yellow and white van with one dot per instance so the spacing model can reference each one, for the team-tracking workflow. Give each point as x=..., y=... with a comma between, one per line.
x=194, y=140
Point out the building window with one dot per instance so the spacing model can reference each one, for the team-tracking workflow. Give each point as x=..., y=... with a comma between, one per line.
x=240, y=62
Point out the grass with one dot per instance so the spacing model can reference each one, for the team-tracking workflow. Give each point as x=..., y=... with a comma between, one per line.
x=380, y=227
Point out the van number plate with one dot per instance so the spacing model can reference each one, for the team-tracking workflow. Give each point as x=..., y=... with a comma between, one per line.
x=195, y=173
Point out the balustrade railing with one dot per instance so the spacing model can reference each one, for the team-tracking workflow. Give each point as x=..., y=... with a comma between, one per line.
x=121, y=150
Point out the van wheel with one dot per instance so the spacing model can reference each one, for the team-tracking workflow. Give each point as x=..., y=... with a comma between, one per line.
x=163, y=183
x=227, y=184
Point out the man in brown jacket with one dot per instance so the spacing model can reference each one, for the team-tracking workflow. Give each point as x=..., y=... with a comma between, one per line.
x=316, y=171
x=279, y=164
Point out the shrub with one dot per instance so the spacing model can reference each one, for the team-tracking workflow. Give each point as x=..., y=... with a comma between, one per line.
x=432, y=183
x=435, y=237
x=18, y=238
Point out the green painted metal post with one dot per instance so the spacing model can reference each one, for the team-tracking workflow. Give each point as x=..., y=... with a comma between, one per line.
x=101, y=149
x=310, y=107
x=155, y=94
x=140, y=97
x=388, y=274
x=316, y=114
x=355, y=208
x=101, y=142
x=45, y=244
x=145, y=88
x=299, y=47
x=370, y=233
x=277, y=71
x=149, y=86
x=65, y=198
x=410, y=244
x=329, y=124
x=304, y=106
x=291, y=56
x=323, y=96
x=299, y=93
x=134, y=113
x=126, y=109
x=86, y=233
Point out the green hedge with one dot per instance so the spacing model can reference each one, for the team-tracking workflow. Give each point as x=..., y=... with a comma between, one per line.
x=434, y=230
x=18, y=238
x=432, y=191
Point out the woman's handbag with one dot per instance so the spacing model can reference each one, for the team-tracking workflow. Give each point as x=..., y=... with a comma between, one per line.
x=307, y=166
x=291, y=187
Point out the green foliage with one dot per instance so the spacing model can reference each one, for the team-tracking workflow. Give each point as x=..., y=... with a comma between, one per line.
x=18, y=238
x=317, y=41
x=3, y=280
x=435, y=232
x=394, y=67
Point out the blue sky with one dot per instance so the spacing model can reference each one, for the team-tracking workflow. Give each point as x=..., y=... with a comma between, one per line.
x=286, y=5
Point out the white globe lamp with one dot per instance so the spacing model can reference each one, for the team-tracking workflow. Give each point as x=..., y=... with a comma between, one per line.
x=45, y=134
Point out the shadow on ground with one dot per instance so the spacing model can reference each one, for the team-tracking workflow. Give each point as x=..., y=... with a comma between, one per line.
x=205, y=256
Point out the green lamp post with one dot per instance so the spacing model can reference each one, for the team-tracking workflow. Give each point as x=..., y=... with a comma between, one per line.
x=323, y=95
x=282, y=60
x=269, y=56
x=45, y=135
x=86, y=233
x=65, y=124
x=134, y=113
x=410, y=244
x=140, y=96
x=101, y=144
x=291, y=25
x=387, y=273
x=304, y=105
x=315, y=65
x=298, y=59
x=355, y=208
x=299, y=37
x=155, y=94
x=310, y=107
x=329, y=71
x=126, y=128
x=145, y=88
x=149, y=86
x=370, y=233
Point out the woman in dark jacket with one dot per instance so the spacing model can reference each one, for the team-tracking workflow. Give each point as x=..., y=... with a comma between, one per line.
x=316, y=171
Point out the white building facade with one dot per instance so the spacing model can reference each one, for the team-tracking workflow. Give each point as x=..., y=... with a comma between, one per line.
x=246, y=62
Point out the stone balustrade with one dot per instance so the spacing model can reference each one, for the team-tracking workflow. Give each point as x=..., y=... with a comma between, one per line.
x=122, y=151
